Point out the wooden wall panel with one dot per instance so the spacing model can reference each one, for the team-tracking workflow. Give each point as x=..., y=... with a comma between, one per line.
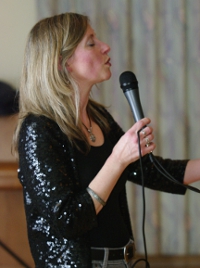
x=13, y=231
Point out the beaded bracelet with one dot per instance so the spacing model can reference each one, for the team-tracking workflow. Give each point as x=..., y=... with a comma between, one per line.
x=92, y=193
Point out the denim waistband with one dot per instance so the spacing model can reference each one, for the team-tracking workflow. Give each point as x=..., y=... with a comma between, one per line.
x=123, y=253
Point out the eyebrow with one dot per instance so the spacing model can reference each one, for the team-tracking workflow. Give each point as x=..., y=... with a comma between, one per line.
x=91, y=36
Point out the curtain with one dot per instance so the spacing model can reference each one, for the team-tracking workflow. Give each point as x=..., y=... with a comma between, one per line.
x=159, y=40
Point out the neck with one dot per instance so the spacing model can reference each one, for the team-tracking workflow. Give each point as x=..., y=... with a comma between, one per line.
x=83, y=110
x=84, y=97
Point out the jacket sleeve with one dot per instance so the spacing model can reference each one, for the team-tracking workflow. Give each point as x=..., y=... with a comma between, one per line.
x=47, y=172
x=153, y=179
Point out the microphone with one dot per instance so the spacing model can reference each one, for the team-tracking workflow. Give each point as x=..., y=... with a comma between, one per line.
x=129, y=85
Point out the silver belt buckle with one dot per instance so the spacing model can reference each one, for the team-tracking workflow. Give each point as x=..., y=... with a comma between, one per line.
x=129, y=251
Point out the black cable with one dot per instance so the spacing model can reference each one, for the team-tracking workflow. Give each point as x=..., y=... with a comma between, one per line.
x=144, y=208
x=161, y=169
x=14, y=255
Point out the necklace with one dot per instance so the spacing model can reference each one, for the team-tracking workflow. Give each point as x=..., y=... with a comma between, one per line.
x=89, y=130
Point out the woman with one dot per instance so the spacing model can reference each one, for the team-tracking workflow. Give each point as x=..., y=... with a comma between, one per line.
x=74, y=158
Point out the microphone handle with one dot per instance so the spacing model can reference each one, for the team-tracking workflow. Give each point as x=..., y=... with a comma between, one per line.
x=135, y=104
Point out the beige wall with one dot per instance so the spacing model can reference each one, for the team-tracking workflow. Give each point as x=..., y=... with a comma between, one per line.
x=16, y=19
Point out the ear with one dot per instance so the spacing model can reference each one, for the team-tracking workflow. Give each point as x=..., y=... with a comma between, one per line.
x=60, y=65
x=68, y=65
x=69, y=69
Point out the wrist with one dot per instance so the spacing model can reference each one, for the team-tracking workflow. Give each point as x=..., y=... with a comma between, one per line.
x=117, y=160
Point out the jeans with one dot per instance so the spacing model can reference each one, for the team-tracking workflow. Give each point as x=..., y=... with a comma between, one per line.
x=111, y=264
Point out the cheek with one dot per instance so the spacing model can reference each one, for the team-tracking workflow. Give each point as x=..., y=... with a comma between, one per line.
x=83, y=68
x=88, y=65
x=82, y=60
x=83, y=64
x=88, y=61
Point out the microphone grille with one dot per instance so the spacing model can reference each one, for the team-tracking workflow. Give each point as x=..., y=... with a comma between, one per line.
x=128, y=80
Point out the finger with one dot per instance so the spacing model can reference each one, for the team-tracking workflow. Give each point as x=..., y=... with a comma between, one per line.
x=141, y=124
x=148, y=140
x=145, y=132
x=148, y=144
x=148, y=148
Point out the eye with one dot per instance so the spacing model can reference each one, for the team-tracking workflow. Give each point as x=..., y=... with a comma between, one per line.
x=91, y=44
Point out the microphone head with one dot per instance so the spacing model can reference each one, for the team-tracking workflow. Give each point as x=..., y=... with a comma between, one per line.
x=128, y=81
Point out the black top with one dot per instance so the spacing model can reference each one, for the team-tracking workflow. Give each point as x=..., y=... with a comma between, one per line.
x=111, y=230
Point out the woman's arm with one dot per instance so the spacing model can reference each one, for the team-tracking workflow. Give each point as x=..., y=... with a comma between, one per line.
x=154, y=180
x=192, y=171
x=124, y=152
x=52, y=190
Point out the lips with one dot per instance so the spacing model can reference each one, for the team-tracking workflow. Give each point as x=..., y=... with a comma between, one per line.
x=108, y=62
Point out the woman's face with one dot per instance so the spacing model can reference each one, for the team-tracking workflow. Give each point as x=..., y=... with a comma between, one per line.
x=90, y=63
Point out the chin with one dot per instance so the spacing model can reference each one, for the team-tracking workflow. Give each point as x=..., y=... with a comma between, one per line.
x=108, y=76
x=105, y=77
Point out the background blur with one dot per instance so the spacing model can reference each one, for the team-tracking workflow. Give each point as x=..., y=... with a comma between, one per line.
x=158, y=40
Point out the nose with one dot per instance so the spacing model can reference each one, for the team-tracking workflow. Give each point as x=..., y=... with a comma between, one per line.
x=105, y=48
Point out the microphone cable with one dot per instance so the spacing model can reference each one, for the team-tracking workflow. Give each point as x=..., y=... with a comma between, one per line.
x=144, y=209
x=163, y=171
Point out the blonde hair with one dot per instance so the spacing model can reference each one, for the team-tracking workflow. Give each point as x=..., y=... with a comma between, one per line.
x=45, y=88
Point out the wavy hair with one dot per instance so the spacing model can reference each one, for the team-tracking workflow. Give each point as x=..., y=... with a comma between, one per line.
x=48, y=90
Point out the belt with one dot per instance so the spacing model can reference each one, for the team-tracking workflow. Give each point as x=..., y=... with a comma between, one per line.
x=127, y=253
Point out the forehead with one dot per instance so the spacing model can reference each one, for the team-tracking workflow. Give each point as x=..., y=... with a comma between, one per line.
x=89, y=32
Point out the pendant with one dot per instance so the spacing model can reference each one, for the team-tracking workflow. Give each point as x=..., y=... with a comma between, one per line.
x=92, y=137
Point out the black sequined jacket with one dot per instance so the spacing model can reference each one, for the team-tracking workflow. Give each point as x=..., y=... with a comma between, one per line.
x=59, y=213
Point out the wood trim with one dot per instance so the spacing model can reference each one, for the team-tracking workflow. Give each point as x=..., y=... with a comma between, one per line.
x=8, y=176
x=166, y=261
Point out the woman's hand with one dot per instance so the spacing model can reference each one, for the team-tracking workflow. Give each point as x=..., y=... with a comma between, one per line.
x=126, y=150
